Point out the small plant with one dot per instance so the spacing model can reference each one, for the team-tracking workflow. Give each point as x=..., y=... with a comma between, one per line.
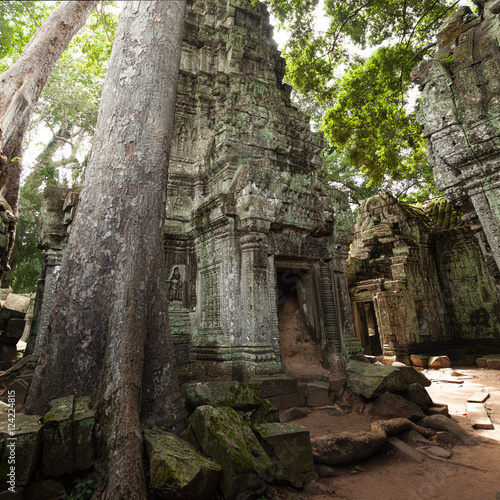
x=82, y=490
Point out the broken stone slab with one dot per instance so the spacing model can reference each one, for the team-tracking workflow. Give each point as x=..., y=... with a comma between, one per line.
x=20, y=438
x=439, y=362
x=416, y=393
x=227, y=438
x=177, y=470
x=318, y=394
x=491, y=361
x=13, y=331
x=390, y=405
x=442, y=423
x=373, y=380
x=437, y=409
x=436, y=451
x=403, y=448
x=289, y=447
x=15, y=306
x=234, y=394
x=265, y=413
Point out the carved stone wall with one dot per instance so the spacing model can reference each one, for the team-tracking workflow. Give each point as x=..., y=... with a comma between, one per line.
x=418, y=280
x=246, y=201
x=460, y=115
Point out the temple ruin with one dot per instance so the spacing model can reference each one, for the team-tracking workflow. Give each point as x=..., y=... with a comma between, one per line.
x=460, y=115
x=418, y=282
x=255, y=243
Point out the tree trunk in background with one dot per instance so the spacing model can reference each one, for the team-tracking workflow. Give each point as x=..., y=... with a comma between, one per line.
x=109, y=336
x=21, y=86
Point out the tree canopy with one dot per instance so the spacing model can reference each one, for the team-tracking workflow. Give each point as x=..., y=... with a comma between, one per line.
x=368, y=118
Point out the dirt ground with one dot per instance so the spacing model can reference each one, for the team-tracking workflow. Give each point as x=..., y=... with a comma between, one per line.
x=391, y=476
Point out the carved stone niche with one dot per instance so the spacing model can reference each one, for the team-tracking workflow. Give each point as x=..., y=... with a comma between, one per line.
x=248, y=207
x=417, y=279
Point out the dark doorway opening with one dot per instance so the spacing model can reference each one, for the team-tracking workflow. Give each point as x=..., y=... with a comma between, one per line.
x=368, y=334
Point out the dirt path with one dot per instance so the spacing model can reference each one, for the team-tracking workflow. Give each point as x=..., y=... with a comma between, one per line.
x=390, y=476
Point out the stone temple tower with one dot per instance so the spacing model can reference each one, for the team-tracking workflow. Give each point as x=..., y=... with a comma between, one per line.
x=255, y=243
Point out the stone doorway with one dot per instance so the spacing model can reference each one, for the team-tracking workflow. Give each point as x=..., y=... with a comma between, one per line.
x=298, y=323
x=367, y=328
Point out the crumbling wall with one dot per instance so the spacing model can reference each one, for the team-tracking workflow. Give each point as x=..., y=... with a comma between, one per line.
x=424, y=272
x=460, y=116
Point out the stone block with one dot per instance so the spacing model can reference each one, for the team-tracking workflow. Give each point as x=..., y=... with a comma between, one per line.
x=226, y=393
x=8, y=353
x=417, y=394
x=46, y=489
x=83, y=441
x=275, y=385
x=227, y=438
x=177, y=470
x=437, y=409
x=373, y=380
x=420, y=360
x=265, y=413
x=439, y=362
x=20, y=438
x=390, y=405
x=13, y=332
x=57, y=454
x=15, y=306
x=289, y=447
x=285, y=401
x=482, y=362
x=318, y=394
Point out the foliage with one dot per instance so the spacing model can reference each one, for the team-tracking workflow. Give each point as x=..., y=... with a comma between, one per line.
x=368, y=118
x=83, y=489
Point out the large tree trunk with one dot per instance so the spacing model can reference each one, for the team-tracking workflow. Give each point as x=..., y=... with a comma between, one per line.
x=109, y=336
x=20, y=89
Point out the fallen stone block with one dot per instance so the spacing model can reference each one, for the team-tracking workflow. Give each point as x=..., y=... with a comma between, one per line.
x=437, y=409
x=20, y=439
x=493, y=361
x=289, y=447
x=177, y=470
x=439, y=362
x=265, y=413
x=482, y=362
x=420, y=360
x=293, y=414
x=275, y=385
x=403, y=448
x=15, y=306
x=416, y=393
x=225, y=393
x=436, y=451
x=390, y=405
x=318, y=394
x=227, y=438
x=291, y=400
x=373, y=380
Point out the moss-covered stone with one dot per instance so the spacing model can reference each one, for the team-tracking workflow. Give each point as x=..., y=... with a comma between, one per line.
x=266, y=413
x=226, y=393
x=225, y=436
x=289, y=447
x=20, y=442
x=177, y=470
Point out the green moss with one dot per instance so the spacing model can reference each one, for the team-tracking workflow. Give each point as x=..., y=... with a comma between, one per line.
x=163, y=474
x=48, y=416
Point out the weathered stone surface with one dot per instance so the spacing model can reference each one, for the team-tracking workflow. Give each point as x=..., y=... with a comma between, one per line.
x=390, y=405
x=265, y=413
x=416, y=393
x=459, y=112
x=227, y=393
x=20, y=439
x=57, y=455
x=482, y=362
x=289, y=447
x=318, y=394
x=225, y=436
x=490, y=360
x=15, y=306
x=436, y=451
x=293, y=414
x=46, y=489
x=373, y=380
x=275, y=385
x=417, y=439
x=421, y=360
x=284, y=401
x=439, y=362
x=437, y=409
x=177, y=470
x=67, y=436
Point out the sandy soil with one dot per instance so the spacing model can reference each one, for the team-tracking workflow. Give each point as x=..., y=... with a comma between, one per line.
x=390, y=476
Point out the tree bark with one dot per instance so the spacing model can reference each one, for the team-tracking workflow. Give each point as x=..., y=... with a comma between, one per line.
x=109, y=336
x=21, y=86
